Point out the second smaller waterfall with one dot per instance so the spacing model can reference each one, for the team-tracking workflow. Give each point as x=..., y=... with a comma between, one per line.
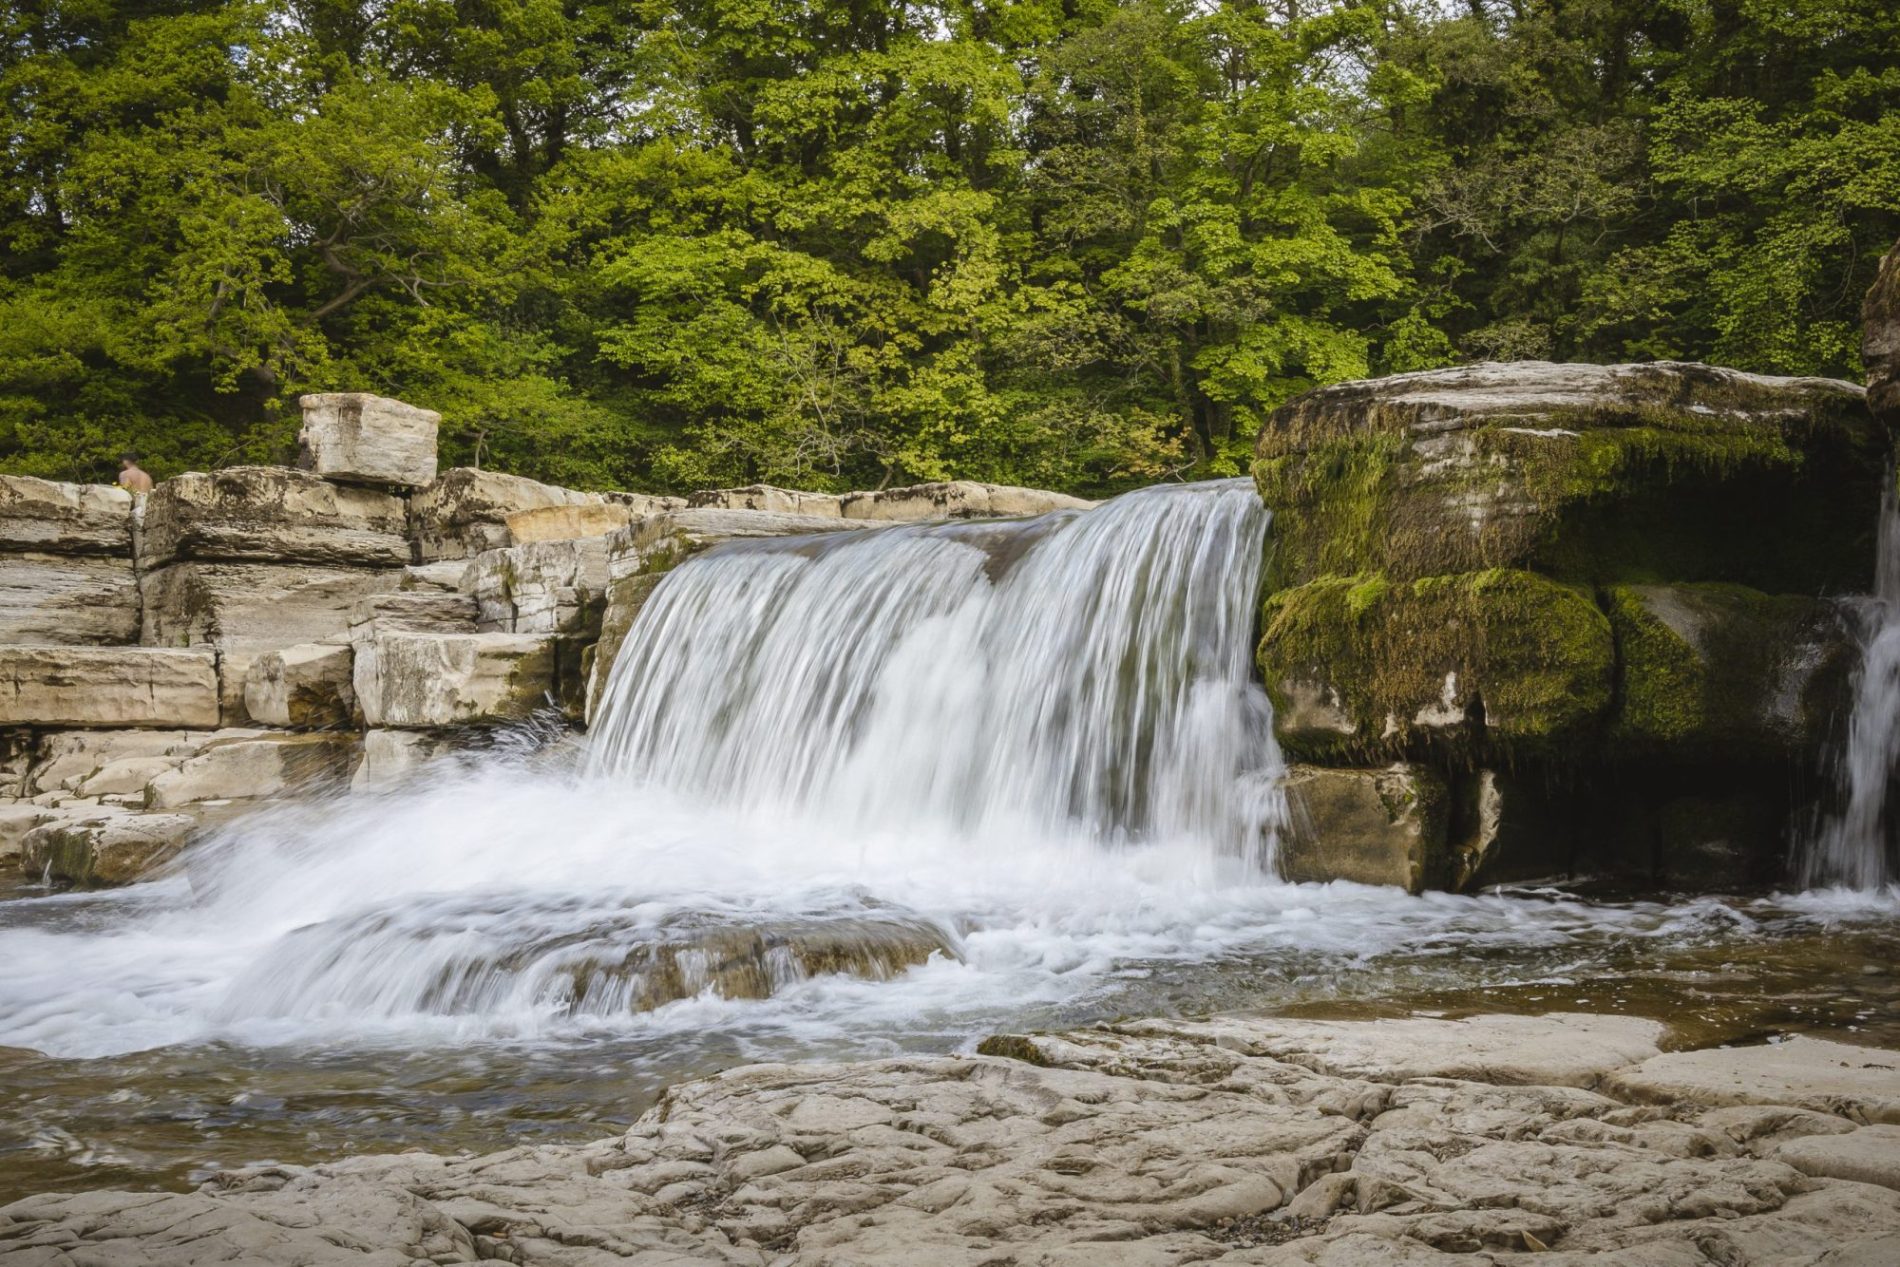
x=1855, y=846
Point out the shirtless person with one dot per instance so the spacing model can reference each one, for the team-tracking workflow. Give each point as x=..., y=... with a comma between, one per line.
x=131, y=478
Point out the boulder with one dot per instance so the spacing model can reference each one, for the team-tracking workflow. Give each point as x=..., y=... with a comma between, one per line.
x=253, y=767
x=271, y=514
x=1592, y=473
x=1880, y=340
x=1384, y=826
x=74, y=599
x=543, y=587
x=780, y=501
x=357, y=438
x=67, y=760
x=1487, y=663
x=109, y=687
x=108, y=848
x=956, y=499
x=45, y=517
x=1727, y=673
x=307, y=687
x=429, y=680
x=466, y=511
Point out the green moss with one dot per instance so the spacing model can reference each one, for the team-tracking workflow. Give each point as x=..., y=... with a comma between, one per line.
x=1497, y=663
x=1723, y=671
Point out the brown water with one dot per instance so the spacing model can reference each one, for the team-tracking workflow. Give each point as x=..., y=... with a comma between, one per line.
x=166, y=1118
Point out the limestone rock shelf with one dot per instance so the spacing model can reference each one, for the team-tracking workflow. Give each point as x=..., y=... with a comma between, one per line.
x=1236, y=1141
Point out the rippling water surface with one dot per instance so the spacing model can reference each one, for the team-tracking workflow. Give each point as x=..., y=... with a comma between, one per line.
x=891, y=791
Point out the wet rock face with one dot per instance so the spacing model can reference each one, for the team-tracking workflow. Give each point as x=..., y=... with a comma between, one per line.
x=1258, y=1142
x=1591, y=473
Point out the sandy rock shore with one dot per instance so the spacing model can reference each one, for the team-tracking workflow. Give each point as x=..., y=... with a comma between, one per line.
x=1269, y=1142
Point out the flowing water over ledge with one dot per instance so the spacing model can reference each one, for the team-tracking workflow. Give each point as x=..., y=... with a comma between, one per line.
x=889, y=792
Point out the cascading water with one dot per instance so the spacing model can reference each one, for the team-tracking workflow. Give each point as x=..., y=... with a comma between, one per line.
x=1078, y=673
x=1014, y=752
x=1855, y=845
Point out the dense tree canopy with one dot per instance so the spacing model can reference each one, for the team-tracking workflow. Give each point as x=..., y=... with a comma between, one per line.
x=1074, y=243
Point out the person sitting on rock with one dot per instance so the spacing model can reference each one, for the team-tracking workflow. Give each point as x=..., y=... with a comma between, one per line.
x=132, y=478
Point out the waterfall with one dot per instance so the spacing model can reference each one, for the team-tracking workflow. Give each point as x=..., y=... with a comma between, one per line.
x=1855, y=844
x=1079, y=672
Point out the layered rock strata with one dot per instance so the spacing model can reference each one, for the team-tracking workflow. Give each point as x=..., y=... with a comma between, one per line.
x=1159, y=1143
x=1600, y=603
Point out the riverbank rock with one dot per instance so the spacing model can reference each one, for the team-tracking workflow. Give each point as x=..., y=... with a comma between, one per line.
x=68, y=760
x=544, y=587
x=271, y=514
x=1861, y=1084
x=765, y=497
x=389, y=758
x=46, y=517
x=466, y=511
x=108, y=687
x=357, y=438
x=1591, y=473
x=306, y=687
x=955, y=499
x=427, y=680
x=105, y=849
x=1384, y=826
x=79, y=600
x=1239, y=1141
x=252, y=768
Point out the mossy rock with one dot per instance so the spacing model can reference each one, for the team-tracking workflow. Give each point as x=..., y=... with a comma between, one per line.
x=1594, y=474
x=1726, y=673
x=1498, y=664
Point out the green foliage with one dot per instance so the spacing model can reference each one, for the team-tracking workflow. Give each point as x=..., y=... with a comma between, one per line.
x=1082, y=245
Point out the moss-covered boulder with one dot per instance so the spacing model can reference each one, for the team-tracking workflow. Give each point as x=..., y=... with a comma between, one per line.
x=1500, y=663
x=1725, y=673
x=1589, y=473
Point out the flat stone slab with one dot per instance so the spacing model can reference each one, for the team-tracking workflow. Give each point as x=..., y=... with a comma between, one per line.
x=1868, y=1155
x=55, y=518
x=108, y=687
x=68, y=598
x=1568, y=1049
x=271, y=514
x=1862, y=1083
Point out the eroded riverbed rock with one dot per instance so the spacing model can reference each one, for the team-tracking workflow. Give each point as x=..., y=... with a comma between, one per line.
x=429, y=680
x=105, y=849
x=1154, y=1144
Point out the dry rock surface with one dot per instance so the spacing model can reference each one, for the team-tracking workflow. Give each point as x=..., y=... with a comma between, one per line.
x=1256, y=1142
